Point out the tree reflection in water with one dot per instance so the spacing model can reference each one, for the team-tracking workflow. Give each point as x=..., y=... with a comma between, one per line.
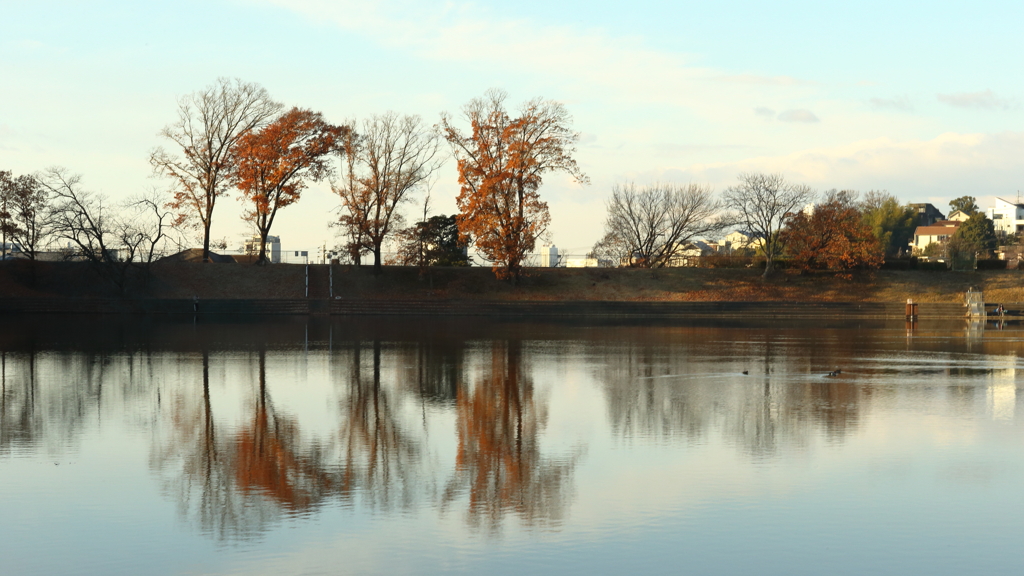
x=687, y=387
x=377, y=457
x=195, y=467
x=235, y=486
x=270, y=461
x=499, y=462
x=20, y=421
x=47, y=398
x=234, y=483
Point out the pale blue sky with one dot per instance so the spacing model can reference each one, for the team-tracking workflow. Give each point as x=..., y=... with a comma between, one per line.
x=922, y=99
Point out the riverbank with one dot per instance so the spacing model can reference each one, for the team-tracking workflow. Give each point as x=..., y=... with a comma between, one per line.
x=183, y=281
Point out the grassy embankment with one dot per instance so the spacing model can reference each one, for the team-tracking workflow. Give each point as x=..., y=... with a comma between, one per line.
x=214, y=281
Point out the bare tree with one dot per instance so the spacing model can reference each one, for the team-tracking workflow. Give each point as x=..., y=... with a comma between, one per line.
x=761, y=203
x=395, y=155
x=30, y=226
x=651, y=225
x=117, y=238
x=209, y=123
x=142, y=227
x=78, y=216
x=354, y=198
x=6, y=221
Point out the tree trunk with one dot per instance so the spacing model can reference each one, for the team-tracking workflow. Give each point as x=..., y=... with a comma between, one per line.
x=262, y=260
x=377, y=266
x=206, y=242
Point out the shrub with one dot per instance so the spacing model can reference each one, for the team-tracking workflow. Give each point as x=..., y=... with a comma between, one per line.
x=991, y=264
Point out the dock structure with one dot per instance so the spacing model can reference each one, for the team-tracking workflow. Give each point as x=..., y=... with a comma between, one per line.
x=974, y=300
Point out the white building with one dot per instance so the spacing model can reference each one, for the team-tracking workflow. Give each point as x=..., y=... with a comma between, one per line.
x=548, y=256
x=690, y=254
x=582, y=263
x=252, y=248
x=739, y=239
x=1007, y=217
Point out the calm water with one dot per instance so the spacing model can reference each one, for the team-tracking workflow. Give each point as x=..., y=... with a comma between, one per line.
x=427, y=447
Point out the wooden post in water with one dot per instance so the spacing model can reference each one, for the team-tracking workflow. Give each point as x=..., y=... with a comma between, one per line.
x=911, y=310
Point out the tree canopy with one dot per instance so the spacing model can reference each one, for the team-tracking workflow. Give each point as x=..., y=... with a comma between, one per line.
x=501, y=163
x=965, y=204
x=976, y=234
x=892, y=222
x=274, y=162
x=434, y=242
x=833, y=237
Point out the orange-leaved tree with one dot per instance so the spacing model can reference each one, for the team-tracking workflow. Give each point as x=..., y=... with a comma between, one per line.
x=273, y=163
x=501, y=164
x=832, y=237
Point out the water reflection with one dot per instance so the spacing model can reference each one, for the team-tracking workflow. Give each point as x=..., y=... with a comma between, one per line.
x=377, y=457
x=195, y=464
x=235, y=481
x=763, y=393
x=291, y=420
x=499, y=461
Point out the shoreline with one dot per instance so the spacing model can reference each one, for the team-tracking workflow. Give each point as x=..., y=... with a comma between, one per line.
x=336, y=290
x=528, y=309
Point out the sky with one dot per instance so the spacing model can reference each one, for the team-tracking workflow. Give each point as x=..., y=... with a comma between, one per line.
x=922, y=99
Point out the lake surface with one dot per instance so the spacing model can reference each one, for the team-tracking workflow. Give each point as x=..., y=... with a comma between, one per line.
x=389, y=446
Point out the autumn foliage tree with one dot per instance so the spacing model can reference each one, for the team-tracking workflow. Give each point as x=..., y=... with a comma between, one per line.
x=273, y=163
x=832, y=237
x=501, y=162
x=209, y=124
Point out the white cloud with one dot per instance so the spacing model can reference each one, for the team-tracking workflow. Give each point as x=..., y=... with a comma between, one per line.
x=596, y=63
x=801, y=115
x=766, y=80
x=901, y=103
x=764, y=112
x=949, y=165
x=984, y=100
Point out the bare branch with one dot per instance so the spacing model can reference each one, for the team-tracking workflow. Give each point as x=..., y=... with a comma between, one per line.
x=209, y=124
